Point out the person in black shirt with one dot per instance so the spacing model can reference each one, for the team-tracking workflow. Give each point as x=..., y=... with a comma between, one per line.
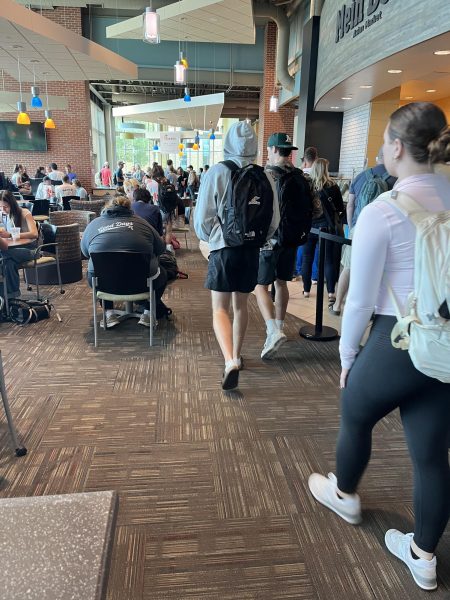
x=143, y=207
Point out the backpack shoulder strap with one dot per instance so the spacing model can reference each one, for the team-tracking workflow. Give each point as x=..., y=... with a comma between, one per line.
x=230, y=164
x=405, y=204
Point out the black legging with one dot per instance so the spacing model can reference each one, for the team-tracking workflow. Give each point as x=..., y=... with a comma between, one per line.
x=308, y=258
x=382, y=379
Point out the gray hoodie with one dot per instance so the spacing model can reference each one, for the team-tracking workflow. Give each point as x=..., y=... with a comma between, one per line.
x=240, y=146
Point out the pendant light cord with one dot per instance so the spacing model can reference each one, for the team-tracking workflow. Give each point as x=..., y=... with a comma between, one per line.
x=20, y=81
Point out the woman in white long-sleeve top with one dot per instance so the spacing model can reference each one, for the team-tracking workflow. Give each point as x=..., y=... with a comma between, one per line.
x=381, y=378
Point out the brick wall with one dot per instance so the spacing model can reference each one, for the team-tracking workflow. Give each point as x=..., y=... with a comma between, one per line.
x=71, y=141
x=355, y=131
x=283, y=120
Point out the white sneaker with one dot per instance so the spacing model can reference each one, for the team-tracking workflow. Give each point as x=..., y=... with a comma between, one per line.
x=273, y=343
x=324, y=490
x=111, y=319
x=423, y=571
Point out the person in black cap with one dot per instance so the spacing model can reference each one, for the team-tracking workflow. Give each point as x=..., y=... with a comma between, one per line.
x=277, y=257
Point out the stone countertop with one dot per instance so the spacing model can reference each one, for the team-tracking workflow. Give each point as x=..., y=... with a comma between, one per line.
x=56, y=547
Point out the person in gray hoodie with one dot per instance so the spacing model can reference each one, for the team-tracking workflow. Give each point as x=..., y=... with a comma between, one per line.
x=118, y=229
x=232, y=271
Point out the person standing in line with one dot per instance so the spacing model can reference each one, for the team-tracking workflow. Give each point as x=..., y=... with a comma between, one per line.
x=232, y=271
x=309, y=157
x=380, y=378
x=277, y=261
x=374, y=180
x=192, y=182
x=119, y=177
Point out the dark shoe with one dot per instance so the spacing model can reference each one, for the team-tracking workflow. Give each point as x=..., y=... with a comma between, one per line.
x=230, y=379
x=332, y=311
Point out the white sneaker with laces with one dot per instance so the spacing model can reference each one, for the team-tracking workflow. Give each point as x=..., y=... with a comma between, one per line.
x=273, y=343
x=324, y=490
x=423, y=571
x=111, y=320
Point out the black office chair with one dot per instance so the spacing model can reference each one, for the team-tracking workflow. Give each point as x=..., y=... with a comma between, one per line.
x=41, y=210
x=35, y=184
x=126, y=277
x=56, y=182
x=66, y=201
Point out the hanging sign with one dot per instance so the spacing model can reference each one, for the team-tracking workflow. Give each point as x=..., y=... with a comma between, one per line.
x=169, y=141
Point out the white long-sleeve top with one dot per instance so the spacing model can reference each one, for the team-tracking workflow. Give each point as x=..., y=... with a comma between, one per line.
x=383, y=246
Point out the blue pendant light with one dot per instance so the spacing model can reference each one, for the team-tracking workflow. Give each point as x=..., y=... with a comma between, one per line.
x=156, y=147
x=213, y=135
x=36, y=102
x=187, y=96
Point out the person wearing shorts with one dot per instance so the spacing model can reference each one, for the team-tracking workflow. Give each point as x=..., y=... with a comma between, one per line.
x=232, y=271
x=276, y=264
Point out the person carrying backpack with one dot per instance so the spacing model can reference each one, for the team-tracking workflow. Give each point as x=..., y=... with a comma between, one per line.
x=236, y=213
x=391, y=254
x=278, y=256
x=364, y=189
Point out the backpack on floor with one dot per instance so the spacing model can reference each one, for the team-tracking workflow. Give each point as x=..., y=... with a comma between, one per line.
x=23, y=312
x=295, y=199
x=167, y=197
x=425, y=330
x=248, y=206
x=373, y=186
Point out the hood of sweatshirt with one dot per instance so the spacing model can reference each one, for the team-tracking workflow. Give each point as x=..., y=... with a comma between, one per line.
x=240, y=142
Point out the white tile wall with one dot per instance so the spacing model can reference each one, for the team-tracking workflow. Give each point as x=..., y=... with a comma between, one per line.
x=355, y=132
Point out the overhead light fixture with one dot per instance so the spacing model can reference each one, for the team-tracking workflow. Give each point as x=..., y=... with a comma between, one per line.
x=442, y=52
x=365, y=87
x=273, y=104
x=196, y=144
x=180, y=153
x=22, y=117
x=180, y=146
x=36, y=102
x=179, y=73
x=394, y=71
x=187, y=96
x=155, y=147
x=346, y=98
x=212, y=135
x=430, y=91
x=334, y=106
x=409, y=97
x=49, y=122
x=184, y=60
x=151, y=33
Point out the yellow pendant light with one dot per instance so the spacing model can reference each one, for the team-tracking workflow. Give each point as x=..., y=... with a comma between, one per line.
x=22, y=118
x=49, y=122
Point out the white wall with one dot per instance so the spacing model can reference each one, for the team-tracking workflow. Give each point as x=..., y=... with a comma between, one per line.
x=355, y=133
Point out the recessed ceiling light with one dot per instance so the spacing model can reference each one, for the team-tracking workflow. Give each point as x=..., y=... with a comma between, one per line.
x=394, y=71
x=430, y=91
x=442, y=52
x=365, y=87
x=334, y=106
x=409, y=97
x=346, y=98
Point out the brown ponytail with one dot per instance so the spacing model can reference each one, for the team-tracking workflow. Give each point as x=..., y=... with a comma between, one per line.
x=439, y=148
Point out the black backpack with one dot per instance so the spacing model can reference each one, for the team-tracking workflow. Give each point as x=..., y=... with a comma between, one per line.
x=167, y=197
x=296, y=206
x=248, y=206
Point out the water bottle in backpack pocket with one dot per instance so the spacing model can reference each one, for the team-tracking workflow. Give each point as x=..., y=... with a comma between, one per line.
x=248, y=208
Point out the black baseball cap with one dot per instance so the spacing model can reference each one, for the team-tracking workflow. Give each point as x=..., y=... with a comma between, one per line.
x=281, y=140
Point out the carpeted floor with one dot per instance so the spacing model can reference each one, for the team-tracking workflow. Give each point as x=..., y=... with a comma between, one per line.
x=213, y=496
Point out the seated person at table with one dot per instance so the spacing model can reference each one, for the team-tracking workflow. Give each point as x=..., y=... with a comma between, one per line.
x=143, y=207
x=14, y=216
x=119, y=230
x=69, y=172
x=66, y=189
x=53, y=172
x=45, y=189
x=79, y=190
x=23, y=186
x=40, y=173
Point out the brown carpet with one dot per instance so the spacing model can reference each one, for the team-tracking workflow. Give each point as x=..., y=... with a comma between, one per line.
x=213, y=496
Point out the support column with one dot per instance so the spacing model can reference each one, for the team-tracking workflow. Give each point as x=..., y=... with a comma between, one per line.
x=321, y=129
x=110, y=135
x=283, y=120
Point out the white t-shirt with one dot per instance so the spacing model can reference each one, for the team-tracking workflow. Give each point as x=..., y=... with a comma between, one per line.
x=153, y=188
x=65, y=190
x=81, y=192
x=56, y=175
x=383, y=246
x=44, y=191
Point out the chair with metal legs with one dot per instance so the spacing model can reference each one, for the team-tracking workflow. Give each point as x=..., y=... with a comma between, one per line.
x=19, y=450
x=124, y=277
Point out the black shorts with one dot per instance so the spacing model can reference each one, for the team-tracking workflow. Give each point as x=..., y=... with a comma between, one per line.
x=278, y=263
x=233, y=270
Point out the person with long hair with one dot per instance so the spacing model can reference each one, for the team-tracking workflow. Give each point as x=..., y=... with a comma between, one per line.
x=327, y=202
x=380, y=378
x=12, y=215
